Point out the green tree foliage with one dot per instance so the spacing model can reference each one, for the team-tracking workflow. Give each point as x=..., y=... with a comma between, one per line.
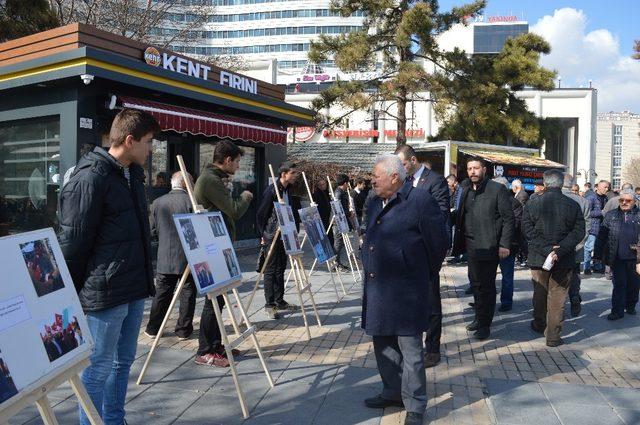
x=395, y=34
x=19, y=18
x=475, y=99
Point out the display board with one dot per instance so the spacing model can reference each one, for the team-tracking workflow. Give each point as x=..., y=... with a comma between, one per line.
x=288, y=230
x=340, y=219
x=209, y=251
x=42, y=326
x=316, y=234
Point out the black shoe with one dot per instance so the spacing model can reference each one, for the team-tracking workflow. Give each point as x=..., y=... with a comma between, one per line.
x=536, y=329
x=614, y=316
x=184, y=337
x=631, y=311
x=555, y=343
x=285, y=306
x=431, y=359
x=413, y=418
x=473, y=326
x=379, y=402
x=504, y=307
x=576, y=307
x=469, y=291
x=482, y=333
x=472, y=305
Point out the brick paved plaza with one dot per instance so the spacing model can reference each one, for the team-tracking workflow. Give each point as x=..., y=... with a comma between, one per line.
x=511, y=378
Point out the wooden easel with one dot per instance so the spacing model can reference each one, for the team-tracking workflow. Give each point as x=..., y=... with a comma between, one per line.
x=351, y=255
x=331, y=262
x=301, y=279
x=239, y=336
x=38, y=393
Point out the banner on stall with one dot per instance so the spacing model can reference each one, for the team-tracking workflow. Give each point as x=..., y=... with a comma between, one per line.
x=43, y=329
x=208, y=249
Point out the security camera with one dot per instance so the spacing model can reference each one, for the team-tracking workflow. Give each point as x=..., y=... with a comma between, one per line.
x=86, y=78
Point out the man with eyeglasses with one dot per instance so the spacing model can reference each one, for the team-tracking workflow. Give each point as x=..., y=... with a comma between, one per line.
x=616, y=246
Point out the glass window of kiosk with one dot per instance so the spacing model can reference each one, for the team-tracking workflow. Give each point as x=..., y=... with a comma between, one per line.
x=244, y=179
x=157, y=172
x=29, y=174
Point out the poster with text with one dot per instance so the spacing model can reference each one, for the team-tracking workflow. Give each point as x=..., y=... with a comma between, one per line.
x=288, y=230
x=340, y=219
x=42, y=326
x=316, y=234
x=207, y=245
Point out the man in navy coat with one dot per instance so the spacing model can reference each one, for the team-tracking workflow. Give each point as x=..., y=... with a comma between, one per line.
x=404, y=246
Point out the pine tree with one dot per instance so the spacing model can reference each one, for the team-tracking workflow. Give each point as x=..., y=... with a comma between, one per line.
x=395, y=34
x=19, y=18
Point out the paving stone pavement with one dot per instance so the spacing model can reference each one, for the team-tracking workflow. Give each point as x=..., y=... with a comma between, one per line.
x=511, y=378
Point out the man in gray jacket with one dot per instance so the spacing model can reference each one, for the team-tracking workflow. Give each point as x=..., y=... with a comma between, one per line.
x=574, y=285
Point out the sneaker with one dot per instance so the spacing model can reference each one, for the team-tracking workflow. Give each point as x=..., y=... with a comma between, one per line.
x=182, y=337
x=631, y=311
x=413, y=418
x=285, y=306
x=555, y=343
x=212, y=359
x=271, y=313
x=150, y=335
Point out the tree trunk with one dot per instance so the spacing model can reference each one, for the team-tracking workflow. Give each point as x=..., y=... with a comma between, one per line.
x=401, y=120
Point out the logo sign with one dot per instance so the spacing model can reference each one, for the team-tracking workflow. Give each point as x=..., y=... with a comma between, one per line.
x=238, y=82
x=152, y=56
x=303, y=134
x=510, y=18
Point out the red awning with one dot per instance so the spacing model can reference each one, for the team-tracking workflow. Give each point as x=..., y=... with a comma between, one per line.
x=196, y=121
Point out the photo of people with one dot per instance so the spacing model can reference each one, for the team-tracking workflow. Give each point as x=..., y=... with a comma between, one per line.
x=217, y=226
x=321, y=244
x=290, y=214
x=203, y=275
x=296, y=240
x=287, y=243
x=61, y=334
x=340, y=217
x=232, y=266
x=42, y=266
x=7, y=386
x=189, y=233
x=279, y=214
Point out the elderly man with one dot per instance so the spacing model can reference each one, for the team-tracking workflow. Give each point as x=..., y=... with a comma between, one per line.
x=554, y=226
x=404, y=246
x=616, y=246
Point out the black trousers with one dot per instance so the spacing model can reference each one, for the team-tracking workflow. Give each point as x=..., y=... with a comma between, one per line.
x=274, y=276
x=434, y=333
x=210, y=338
x=483, y=282
x=165, y=287
x=626, y=286
x=574, y=285
x=338, y=245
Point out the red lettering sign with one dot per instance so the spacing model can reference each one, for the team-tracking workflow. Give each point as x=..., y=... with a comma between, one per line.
x=503, y=19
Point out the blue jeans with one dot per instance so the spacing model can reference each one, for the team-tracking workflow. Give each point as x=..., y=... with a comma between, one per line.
x=115, y=334
x=589, y=244
x=506, y=268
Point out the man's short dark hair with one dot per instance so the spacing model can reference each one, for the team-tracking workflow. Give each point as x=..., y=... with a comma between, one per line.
x=477, y=159
x=287, y=166
x=406, y=151
x=587, y=185
x=342, y=179
x=226, y=149
x=132, y=122
x=359, y=180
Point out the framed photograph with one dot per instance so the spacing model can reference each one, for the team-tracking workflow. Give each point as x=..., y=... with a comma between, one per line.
x=340, y=220
x=61, y=333
x=209, y=251
x=316, y=234
x=42, y=266
x=288, y=229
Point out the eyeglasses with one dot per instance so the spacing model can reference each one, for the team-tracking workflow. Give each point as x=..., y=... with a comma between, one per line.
x=626, y=201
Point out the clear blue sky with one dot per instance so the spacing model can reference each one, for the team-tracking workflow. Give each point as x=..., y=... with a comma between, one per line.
x=620, y=17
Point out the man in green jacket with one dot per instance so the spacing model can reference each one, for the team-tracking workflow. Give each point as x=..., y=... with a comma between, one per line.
x=212, y=193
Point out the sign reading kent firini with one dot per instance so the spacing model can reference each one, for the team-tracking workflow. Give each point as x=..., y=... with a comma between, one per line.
x=195, y=69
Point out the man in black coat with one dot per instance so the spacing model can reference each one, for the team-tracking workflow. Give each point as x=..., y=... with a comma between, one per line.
x=404, y=246
x=422, y=177
x=485, y=229
x=267, y=222
x=171, y=261
x=554, y=226
x=340, y=194
x=105, y=239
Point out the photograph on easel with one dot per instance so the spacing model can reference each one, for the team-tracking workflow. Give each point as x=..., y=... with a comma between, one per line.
x=42, y=267
x=61, y=334
x=316, y=234
x=43, y=330
x=213, y=260
x=288, y=229
x=7, y=386
x=340, y=217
